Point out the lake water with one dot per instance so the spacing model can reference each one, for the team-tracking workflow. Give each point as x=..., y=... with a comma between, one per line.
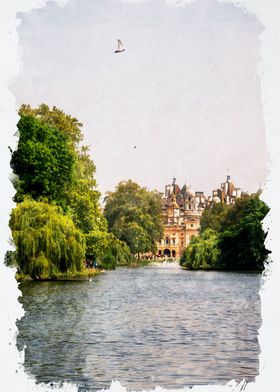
x=147, y=326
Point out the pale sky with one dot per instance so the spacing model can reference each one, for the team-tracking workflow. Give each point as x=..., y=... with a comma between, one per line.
x=185, y=92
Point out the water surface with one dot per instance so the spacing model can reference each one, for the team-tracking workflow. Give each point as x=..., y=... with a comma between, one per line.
x=145, y=327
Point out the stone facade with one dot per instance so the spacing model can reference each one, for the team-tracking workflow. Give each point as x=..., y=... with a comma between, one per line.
x=227, y=193
x=182, y=210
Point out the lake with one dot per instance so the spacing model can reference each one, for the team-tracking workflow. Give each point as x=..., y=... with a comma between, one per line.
x=148, y=326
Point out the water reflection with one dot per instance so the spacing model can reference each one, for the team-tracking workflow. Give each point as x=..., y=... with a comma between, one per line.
x=144, y=327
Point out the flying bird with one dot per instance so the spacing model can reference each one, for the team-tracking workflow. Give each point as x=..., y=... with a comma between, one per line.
x=120, y=47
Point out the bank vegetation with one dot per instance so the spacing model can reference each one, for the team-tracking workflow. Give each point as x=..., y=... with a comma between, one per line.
x=231, y=237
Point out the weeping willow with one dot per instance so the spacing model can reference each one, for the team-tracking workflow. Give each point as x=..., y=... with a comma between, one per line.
x=47, y=242
x=202, y=252
x=115, y=253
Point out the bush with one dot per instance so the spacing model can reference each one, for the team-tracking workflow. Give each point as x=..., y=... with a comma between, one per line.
x=116, y=253
x=47, y=242
x=202, y=252
x=232, y=237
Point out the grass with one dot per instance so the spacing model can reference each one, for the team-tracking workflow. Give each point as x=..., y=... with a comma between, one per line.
x=85, y=274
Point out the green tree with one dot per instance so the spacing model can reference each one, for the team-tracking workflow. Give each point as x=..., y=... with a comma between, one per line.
x=237, y=233
x=81, y=199
x=202, y=252
x=213, y=218
x=87, y=216
x=242, y=238
x=115, y=253
x=84, y=209
x=134, y=216
x=136, y=237
x=43, y=162
x=96, y=243
x=56, y=118
x=47, y=242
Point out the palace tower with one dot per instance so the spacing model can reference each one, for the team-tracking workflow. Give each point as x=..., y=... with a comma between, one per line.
x=182, y=210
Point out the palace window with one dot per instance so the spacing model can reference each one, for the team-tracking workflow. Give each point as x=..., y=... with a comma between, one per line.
x=167, y=240
x=174, y=241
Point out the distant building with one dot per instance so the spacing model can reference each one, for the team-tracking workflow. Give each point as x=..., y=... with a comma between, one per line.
x=181, y=211
x=226, y=194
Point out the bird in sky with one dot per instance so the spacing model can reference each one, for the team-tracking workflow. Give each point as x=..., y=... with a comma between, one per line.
x=120, y=47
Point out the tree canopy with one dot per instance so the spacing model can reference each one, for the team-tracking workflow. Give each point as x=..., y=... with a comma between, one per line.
x=47, y=242
x=134, y=216
x=56, y=118
x=242, y=238
x=231, y=238
x=82, y=197
x=115, y=253
x=213, y=218
x=43, y=162
x=202, y=252
x=51, y=165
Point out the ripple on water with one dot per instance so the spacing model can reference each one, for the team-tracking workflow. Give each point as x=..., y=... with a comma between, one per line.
x=144, y=327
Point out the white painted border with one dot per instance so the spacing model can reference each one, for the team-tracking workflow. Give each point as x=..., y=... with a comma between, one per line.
x=12, y=376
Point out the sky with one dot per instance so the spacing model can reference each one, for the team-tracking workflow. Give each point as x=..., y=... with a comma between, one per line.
x=183, y=97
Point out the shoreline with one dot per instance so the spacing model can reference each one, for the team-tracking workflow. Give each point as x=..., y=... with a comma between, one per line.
x=85, y=275
x=223, y=270
x=61, y=277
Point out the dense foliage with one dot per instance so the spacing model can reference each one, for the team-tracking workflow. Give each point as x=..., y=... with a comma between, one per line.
x=43, y=162
x=47, y=242
x=242, y=236
x=202, y=252
x=56, y=118
x=51, y=166
x=116, y=252
x=214, y=217
x=134, y=216
x=231, y=238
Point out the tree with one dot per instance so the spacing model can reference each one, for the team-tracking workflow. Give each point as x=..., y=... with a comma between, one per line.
x=96, y=243
x=43, y=162
x=78, y=194
x=236, y=232
x=213, y=218
x=134, y=235
x=84, y=208
x=56, y=118
x=115, y=253
x=83, y=204
x=47, y=242
x=134, y=216
x=242, y=238
x=202, y=252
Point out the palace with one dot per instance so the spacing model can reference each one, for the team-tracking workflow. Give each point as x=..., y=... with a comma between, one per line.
x=226, y=194
x=182, y=210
